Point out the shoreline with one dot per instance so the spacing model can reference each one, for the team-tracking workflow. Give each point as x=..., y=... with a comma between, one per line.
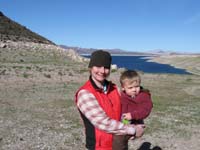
x=191, y=63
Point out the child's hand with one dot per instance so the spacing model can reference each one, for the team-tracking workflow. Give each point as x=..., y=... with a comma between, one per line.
x=127, y=116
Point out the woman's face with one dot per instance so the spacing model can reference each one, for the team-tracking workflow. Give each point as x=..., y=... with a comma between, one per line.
x=99, y=74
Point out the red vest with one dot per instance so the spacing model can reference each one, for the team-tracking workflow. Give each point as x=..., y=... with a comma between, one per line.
x=110, y=103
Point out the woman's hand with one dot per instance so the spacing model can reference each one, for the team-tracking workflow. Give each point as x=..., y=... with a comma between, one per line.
x=139, y=130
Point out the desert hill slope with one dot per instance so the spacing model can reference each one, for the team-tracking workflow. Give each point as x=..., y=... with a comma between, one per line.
x=20, y=45
x=13, y=31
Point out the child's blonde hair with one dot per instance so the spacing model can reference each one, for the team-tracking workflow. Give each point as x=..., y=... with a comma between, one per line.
x=131, y=76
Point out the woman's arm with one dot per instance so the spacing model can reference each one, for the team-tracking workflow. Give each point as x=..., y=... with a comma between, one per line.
x=89, y=106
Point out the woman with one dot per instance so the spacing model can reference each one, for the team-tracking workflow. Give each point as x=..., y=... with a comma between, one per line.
x=98, y=102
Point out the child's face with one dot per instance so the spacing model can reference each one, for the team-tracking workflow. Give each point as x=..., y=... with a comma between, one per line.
x=131, y=89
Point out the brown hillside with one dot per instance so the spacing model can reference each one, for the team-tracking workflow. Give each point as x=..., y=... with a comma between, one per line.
x=11, y=30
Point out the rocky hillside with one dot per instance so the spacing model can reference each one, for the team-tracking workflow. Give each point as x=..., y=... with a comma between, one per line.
x=20, y=45
x=13, y=31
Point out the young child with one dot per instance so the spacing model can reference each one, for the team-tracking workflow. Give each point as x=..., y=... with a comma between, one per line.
x=136, y=105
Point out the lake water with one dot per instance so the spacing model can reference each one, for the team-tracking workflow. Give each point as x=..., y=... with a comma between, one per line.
x=140, y=63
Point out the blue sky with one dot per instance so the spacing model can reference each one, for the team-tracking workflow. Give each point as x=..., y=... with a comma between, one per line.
x=133, y=25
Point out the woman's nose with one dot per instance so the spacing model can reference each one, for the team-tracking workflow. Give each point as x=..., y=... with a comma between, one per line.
x=102, y=69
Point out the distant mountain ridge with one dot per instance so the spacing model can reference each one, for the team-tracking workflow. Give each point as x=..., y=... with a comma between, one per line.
x=88, y=51
x=13, y=31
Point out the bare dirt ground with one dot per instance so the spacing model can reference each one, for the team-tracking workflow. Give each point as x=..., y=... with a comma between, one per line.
x=37, y=110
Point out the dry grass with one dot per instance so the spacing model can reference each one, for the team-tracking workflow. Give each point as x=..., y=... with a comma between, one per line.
x=175, y=120
x=189, y=62
x=38, y=110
